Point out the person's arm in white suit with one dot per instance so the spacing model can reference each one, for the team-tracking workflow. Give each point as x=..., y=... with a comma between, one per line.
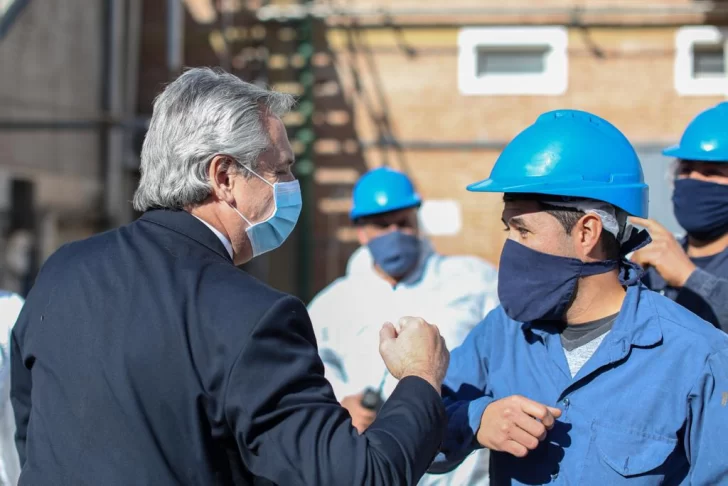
x=10, y=307
x=324, y=314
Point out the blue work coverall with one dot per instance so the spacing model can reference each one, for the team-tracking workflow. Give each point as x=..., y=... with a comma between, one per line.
x=649, y=407
x=706, y=291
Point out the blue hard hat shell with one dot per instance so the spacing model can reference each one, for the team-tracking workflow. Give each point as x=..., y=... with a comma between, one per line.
x=706, y=137
x=383, y=190
x=571, y=153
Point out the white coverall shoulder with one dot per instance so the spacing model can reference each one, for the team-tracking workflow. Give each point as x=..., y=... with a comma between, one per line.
x=10, y=306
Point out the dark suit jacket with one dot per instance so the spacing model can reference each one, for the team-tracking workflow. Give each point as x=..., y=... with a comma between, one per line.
x=145, y=357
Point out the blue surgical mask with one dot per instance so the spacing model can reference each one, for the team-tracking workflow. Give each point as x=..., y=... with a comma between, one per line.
x=270, y=233
x=537, y=286
x=396, y=253
x=701, y=208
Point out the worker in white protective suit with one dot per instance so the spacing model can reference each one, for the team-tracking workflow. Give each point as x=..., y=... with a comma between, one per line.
x=395, y=273
x=10, y=306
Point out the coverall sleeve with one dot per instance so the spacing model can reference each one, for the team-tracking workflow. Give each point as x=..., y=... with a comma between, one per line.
x=332, y=357
x=714, y=291
x=707, y=426
x=465, y=395
x=290, y=429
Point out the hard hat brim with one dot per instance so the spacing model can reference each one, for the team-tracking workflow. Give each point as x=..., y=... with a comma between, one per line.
x=415, y=202
x=633, y=199
x=701, y=156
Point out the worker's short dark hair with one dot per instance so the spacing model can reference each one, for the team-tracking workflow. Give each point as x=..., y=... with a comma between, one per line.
x=568, y=217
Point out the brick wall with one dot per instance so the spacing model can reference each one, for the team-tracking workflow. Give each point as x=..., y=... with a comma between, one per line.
x=402, y=83
x=397, y=81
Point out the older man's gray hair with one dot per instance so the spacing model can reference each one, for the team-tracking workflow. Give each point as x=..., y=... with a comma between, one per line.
x=201, y=114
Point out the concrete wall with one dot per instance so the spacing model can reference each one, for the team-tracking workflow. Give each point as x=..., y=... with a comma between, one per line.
x=51, y=68
x=51, y=62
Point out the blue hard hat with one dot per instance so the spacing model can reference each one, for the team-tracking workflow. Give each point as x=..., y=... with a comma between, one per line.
x=571, y=153
x=706, y=137
x=383, y=190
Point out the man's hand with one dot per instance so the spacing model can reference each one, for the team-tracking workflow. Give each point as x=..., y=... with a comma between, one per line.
x=361, y=417
x=515, y=425
x=414, y=349
x=664, y=253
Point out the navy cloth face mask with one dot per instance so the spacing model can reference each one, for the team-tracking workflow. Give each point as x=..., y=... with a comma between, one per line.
x=396, y=253
x=701, y=208
x=537, y=286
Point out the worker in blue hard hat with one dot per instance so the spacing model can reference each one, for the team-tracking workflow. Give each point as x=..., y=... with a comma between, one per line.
x=693, y=271
x=395, y=272
x=582, y=375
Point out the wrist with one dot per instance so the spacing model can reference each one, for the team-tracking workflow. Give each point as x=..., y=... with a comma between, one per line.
x=476, y=413
x=684, y=275
x=429, y=378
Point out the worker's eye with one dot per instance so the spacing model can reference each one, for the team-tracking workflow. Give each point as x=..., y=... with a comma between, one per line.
x=523, y=232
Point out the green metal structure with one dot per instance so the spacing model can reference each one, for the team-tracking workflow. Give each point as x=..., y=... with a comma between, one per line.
x=304, y=165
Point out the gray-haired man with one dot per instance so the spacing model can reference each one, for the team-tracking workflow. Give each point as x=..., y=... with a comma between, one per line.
x=144, y=356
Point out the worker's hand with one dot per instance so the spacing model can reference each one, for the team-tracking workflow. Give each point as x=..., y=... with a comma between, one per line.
x=361, y=417
x=515, y=425
x=415, y=348
x=664, y=254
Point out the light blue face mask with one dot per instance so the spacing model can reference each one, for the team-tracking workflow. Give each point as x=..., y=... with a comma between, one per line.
x=270, y=233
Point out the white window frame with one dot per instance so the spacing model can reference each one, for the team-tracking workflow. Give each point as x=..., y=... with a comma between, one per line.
x=553, y=81
x=685, y=83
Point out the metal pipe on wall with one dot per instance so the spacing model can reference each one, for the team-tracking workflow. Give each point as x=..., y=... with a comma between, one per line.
x=404, y=144
x=114, y=181
x=132, y=79
x=54, y=125
x=414, y=144
x=299, y=11
x=175, y=37
x=107, y=12
x=467, y=145
x=80, y=124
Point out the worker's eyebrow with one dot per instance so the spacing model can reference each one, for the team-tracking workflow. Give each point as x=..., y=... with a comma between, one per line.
x=515, y=221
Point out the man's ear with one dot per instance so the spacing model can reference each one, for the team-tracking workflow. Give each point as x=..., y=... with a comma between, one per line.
x=588, y=232
x=361, y=235
x=220, y=174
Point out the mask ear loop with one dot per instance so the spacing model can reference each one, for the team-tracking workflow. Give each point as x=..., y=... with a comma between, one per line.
x=256, y=175
x=275, y=203
x=241, y=215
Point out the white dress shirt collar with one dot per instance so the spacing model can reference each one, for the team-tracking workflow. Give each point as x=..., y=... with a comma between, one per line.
x=226, y=243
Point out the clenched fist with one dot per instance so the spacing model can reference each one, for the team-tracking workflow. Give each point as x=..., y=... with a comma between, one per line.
x=415, y=348
x=515, y=425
